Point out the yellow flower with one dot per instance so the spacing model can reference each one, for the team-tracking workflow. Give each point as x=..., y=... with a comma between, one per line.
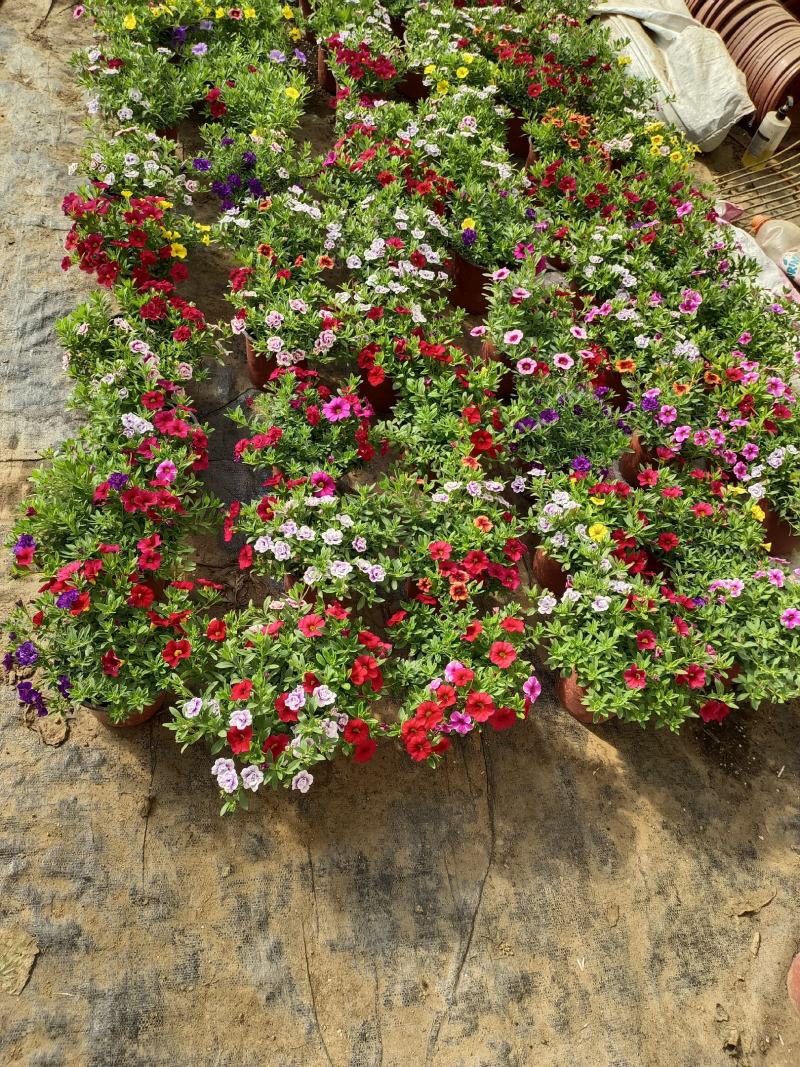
x=202, y=227
x=657, y=141
x=598, y=532
x=129, y=22
x=737, y=490
x=249, y=12
x=599, y=500
x=468, y=224
x=462, y=72
x=295, y=33
x=623, y=61
x=468, y=58
x=291, y=92
x=429, y=69
x=205, y=239
x=757, y=513
x=219, y=13
x=165, y=203
x=287, y=12
x=442, y=87
x=178, y=250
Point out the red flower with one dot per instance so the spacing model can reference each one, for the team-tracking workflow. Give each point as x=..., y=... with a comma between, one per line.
x=480, y=706
x=645, y=640
x=396, y=619
x=427, y=715
x=461, y=675
x=440, y=550
x=111, y=663
x=175, y=651
x=365, y=751
x=635, y=677
x=418, y=746
x=245, y=557
x=356, y=732
x=285, y=713
x=365, y=669
x=714, y=711
x=241, y=690
x=141, y=596
x=216, y=630
x=311, y=625
x=694, y=677
x=239, y=740
x=503, y=718
x=473, y=631
x=512, y=625
x=667, y=541
x=275, y=745
x=502, y=654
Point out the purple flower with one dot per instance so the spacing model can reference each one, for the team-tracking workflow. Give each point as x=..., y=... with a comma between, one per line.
x=460, y=723
x=300, y=56
x=26, y=654
x=117, y=480
x=248, y=159
x=23, y=541
x=199, y=49
x=226, y=142
x=255, y=187
x=548, y=416
x=581, y=464
x=201, y=163
x=67, y=599
x=64, y=685
x=277, y=56
x=468, y=237
x=8, y=661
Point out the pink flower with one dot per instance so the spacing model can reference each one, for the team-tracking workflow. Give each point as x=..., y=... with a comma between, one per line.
x=323, y=484
x=479, y=331
x=691, y=301
x=513, y=337
x=563, y=361
x=684, y=209
x=78, y=12
x=532, y=688
x=336, y=409
x=791, y=618
x=166, y=472
x=526, y=365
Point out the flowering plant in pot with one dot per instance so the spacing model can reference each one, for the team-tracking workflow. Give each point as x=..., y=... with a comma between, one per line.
x=300, y=424
x=103, y=635
x=264, y=99
x=163, y=338
x=137, y=157
x=462, y=671
x=488, y=222
x=461, y=133
x=338, y=545
x=632, y=652
x=276, y=690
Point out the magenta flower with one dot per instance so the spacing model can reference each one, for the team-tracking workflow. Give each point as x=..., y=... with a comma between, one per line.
x=336, y=409
x=691, y=301
x=460, y=723
x=513, y=337
x=323, y=484
x=791, y=618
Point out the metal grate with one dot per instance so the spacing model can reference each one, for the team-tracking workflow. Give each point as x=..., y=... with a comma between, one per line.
x=773, y=190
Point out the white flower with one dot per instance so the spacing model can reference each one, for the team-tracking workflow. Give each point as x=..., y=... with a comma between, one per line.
x=302, y=781
x=252, y=777
x=192, y=707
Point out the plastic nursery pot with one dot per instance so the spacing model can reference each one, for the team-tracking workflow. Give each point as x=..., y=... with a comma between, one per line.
x=516, y=139
x=413, y=88
x=259, y=366
x=505, y=387
x=631, y=462
x=398, y=26
x=468, y=282
x=618, y=395
x=305, y=8
x=548, y=572
x=533, y=155
x=325, y=79
x=571, y=696
x=132, y=720
x=783, y=539
x=382, y=397
x=169, y=133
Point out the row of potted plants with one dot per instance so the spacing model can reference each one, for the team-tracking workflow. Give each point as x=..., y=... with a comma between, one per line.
x=418, y=464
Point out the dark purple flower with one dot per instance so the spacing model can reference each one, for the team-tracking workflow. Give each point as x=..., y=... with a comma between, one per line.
x=581, y=464
x=226, y=142
x=530, y=213
x=526, y=423
x=64, y=685
x=26, y=654
x=234, y=181
x=67, y=599
x=201, y=163
x=248, y=159
x=8, y=661
x=255, y=187
x=227, y=204
x=23, y=541
x=117, y=480
x=469, y=237
x=650, y=403
x=179, y=34
x=27, y=694
x=548, y=416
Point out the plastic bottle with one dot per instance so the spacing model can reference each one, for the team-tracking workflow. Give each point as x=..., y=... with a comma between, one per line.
x=767, y=138
x=780, y=239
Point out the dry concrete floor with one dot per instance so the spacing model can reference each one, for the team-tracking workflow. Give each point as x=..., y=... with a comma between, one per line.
x=557, y=897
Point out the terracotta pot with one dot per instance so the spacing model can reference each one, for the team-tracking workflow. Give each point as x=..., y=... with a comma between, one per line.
x=305, y=8
x=533, y=155
x=571, y=696
x=413, y=88
x=517, y=142
x=630, y=463
x=468, y=283
x=132, y=720
x=325, y=79
x=383, y=397
x=618, y=395
x=505, y=387
x=783, y=539
x=259, y=366
x=398, y=26
x=548, y=572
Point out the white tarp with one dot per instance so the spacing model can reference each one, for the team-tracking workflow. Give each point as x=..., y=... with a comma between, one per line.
x=702, y=90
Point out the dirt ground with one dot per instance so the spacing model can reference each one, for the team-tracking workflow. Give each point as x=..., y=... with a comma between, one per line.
x=555, y=897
